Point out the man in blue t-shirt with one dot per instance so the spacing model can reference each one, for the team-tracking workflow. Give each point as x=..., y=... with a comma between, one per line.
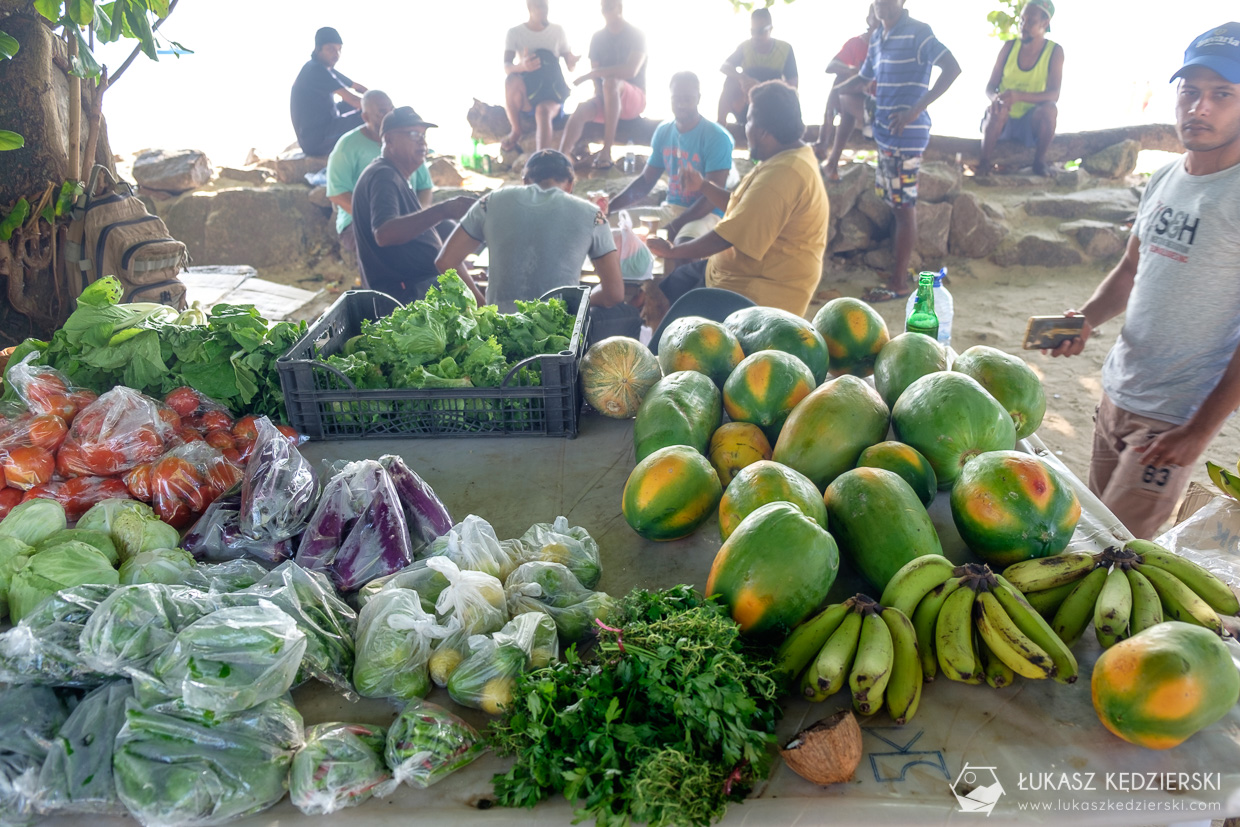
x=902, y=53
x=686, y=140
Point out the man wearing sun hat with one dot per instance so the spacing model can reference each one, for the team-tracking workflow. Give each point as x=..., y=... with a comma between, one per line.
x=1024, y=88
x=396, y=238
x=1173, y=378
x=318, y=118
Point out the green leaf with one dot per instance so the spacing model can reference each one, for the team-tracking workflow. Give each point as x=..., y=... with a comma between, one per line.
x=178, y=49
x=69, y=191
x=159, y=7
x=8, y=45
x=14, y=219
x=49, y=9
x=81, y=12
x=109, y=26
x=140, y=26
x=11, y=140
x=84, y=63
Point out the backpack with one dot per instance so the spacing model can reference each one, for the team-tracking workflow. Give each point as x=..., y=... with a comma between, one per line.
x=112, y=234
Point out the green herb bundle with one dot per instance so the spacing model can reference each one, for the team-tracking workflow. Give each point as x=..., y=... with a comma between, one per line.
x=667, y=721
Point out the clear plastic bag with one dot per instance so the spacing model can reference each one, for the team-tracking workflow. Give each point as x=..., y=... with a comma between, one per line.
x=418, y=576
x=536, y=635
x=228, y=661
x=377, y=544
x=341, y=765
x=44, y=647
x=77, y=775
x=558, y=542
x=450, y=652
x=279, y=489
x=473, y=546
x=474, y=599
x=394, y=640
x=485, y=679
x=424, y=511
x=174, y=765
x=552, y=588
x=232, y=576
x=120, y=429
x=44, y=390
x=344, y=499
x=426, y=744
x=217, y=536
x=33, y=715
x=636, y=260
x=135, y=624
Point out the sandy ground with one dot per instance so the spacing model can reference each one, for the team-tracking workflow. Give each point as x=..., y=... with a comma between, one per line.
x=992, y=306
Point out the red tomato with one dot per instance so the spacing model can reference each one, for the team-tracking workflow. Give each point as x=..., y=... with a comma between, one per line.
x=173, y=511
x=69, y=460
x=177, y=478
x=184, y=401
x=188, y=434
x=25, y=468
x=138, y=481
x=143, y=444
x=46, y=491
x=220, y=438
x=9, y=497
x=290, y=434
x=79, y=494
x=211, y=420
x=170, y=416
x=246, y=428
x=232, y=455
x=47, y=432
x=82, y=397
x=222, y=475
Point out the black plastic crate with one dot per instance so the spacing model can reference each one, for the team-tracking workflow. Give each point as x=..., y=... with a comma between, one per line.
x=323, y=404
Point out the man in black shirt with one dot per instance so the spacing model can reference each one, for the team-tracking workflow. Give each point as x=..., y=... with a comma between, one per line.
x=396, y=238
x=318, y=119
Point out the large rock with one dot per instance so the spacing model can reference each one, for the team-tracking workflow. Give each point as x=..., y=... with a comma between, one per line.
x=174, y=171
x=1097, y=238
x=1038, y=248
x=318, y=197
x=937, y=182
x=274, y=226
x=843, y=194
x=877, y=210
x=856, y=232
x=974, y=234
x=293, y=166
x=256, y=176
x=1116, y=161
x=446, y=172
x=934, y=222
x=1102, y=204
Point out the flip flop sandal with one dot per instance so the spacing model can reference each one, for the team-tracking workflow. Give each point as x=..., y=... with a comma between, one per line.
x=878, y=295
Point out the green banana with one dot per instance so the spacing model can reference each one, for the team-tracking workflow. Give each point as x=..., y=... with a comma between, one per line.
x=1113, y=608
x=1226, y=481
x=1048, y=572
x=834, y=662
x=1046, y=601
x=1077, y=609
x=915, y=580
x=1008, y=643
x=924, y=619
x=1201, y=580
x=998, y=674
x=904, y=689
x=953, y=637
x=871, y=669
x=1146, y=607
x=806, y=641
x=1037, y=629
x=1179, y=601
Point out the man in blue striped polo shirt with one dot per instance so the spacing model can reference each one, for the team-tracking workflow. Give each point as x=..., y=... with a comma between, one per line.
x=901, y=55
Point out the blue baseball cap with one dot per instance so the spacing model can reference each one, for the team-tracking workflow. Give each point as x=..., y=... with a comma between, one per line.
x=1217, y=49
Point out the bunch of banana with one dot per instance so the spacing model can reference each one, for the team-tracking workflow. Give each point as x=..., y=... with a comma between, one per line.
x=1226, y=481
x=870, y=648
x=1122, y=591
x=975, y=626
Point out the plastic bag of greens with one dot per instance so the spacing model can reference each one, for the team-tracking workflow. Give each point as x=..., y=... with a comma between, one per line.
x=161, y=565
x=47, y=572
x=34, y=521
x=394, y=639
x=559, y=542
x=486, y=678
x=228, y=661
x=279, y=489
x=44, y=648
x=217, y=535
x=424, y=511
x=473, y=546
x=475, y=599
x=449, y=652
x=77, y=775
x=11, y=550
x=232, y=576
x=344, y=500
x=341, y=765
x=175, y=765
x=99, y=539
x=418, y=577
x=552, y=588
x=426, y=744
x=33, y=715
x=135, y=624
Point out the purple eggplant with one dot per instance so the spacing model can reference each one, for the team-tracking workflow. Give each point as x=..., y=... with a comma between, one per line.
x=217, y=536
x=378, y=545
x=279, y=489
x=344, y=499
x=427, y=516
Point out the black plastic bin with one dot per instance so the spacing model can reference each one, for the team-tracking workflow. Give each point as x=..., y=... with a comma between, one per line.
x=323, y=404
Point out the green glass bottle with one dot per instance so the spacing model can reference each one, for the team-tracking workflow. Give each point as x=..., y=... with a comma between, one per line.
x=923, y=319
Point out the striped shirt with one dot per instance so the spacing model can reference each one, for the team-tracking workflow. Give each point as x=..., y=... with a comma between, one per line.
x=900, y=61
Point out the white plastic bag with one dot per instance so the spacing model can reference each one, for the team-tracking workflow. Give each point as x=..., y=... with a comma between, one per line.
x=474, y=599
x=394, y=640
x=636, y=260
x=473, y=546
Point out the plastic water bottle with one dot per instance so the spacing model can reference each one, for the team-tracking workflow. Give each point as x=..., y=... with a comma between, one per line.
x=943, y=307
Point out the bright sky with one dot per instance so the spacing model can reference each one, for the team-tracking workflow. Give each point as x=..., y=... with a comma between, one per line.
x=232, y=94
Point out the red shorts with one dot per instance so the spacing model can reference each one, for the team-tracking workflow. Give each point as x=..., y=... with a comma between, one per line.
x=632, y=102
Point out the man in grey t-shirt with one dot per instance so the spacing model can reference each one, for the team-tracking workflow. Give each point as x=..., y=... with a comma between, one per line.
x=1173, y=378
x=539, y=235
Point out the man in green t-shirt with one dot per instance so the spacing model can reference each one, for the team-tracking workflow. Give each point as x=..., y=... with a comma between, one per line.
x=352, y=153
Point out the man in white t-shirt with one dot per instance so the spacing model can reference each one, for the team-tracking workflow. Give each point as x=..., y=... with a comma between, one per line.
x=1173, y=378
x=532, y=53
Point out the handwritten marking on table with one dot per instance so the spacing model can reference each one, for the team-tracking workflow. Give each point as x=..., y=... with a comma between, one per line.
x=898, y=763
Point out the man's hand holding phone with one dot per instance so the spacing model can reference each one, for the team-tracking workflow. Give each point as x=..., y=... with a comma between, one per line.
x=1059, y=336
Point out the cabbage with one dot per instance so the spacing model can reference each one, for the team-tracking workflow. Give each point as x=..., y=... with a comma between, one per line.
x=161, y=565
x=135, y=533
x=43, y=574
x=99, y=539
x=101, y=514
x=11, y=551
x=34, y=521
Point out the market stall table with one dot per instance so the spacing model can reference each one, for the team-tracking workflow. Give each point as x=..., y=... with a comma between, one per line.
x=1028, y=735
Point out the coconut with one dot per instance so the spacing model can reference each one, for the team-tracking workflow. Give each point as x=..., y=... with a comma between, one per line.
x=827, y=752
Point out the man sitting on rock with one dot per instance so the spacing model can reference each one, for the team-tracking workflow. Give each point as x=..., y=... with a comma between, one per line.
x=618, y=69
x=532, y=54
x=352, y=153
x=688, y=140
x=396, y=239
x=850, y=106
x=318, y=119
x=758, y=59
x=770, y=243
x=1022, y=100
x=539, y=235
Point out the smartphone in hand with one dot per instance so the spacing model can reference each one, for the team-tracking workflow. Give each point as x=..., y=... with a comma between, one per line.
x=1049, y=332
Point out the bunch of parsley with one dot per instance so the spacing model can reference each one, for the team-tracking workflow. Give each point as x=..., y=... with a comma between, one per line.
x=668, y=720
